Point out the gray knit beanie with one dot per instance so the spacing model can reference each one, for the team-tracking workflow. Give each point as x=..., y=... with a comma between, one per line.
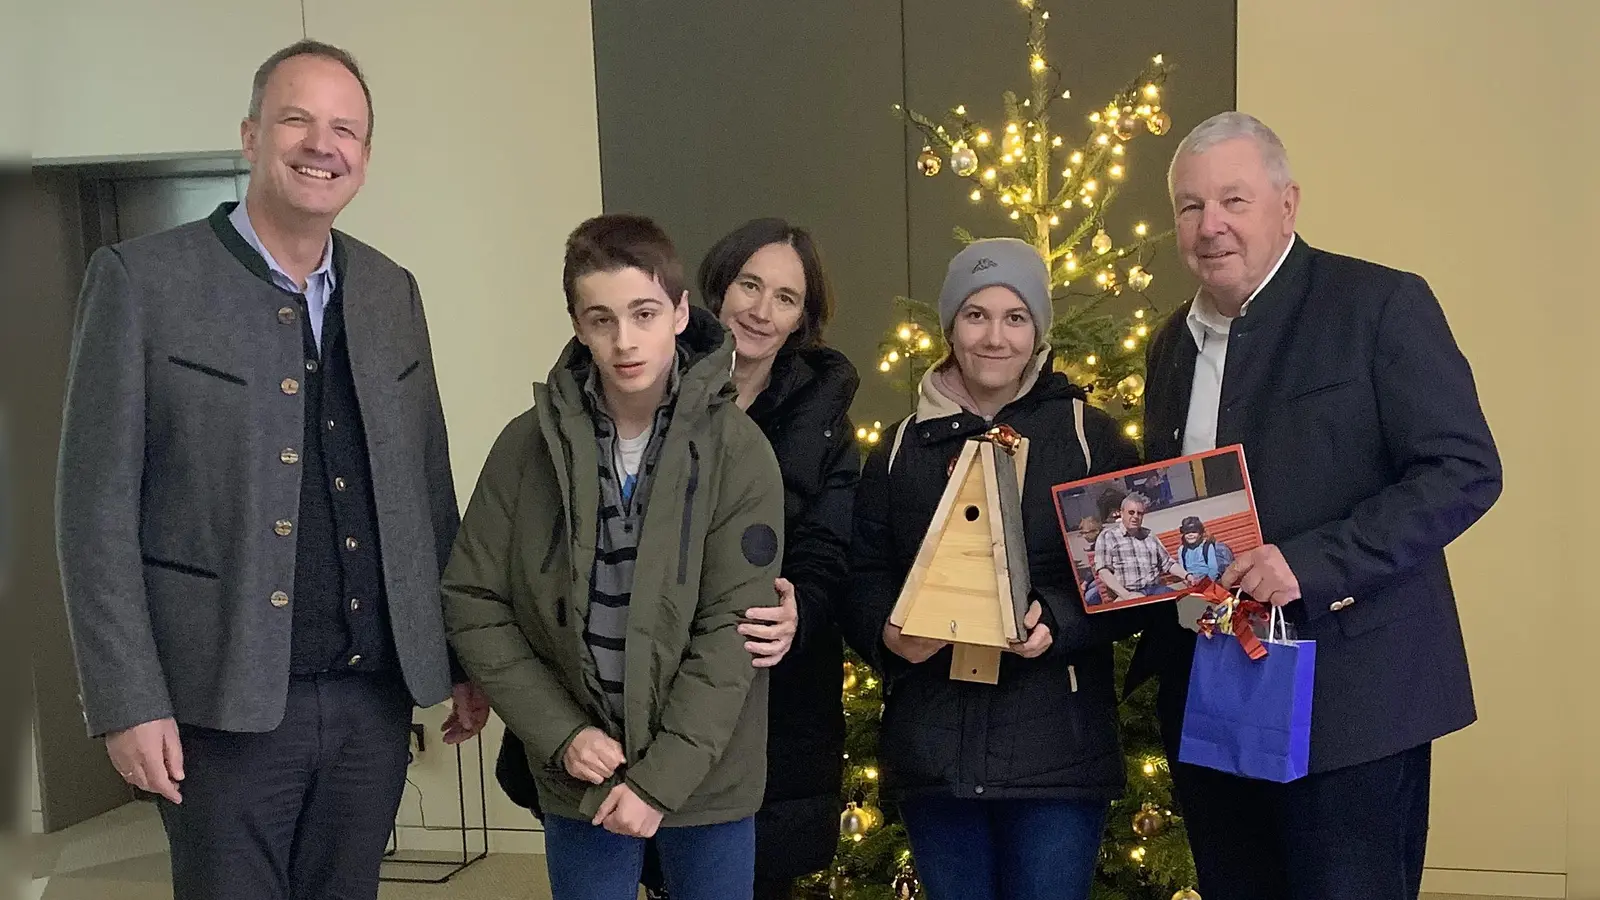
x=1004, y=261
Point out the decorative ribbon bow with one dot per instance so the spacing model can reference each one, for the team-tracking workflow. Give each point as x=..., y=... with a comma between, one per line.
x=1005, y=437
x=1236, y=615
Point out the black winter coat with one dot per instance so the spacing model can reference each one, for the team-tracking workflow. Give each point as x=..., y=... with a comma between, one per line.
x=1048, y=729
x=804, y=413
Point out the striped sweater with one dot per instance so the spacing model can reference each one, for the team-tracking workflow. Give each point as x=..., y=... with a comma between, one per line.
x=617, y=542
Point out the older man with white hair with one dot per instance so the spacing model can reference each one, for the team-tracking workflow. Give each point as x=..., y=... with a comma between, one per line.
x=1368, y=454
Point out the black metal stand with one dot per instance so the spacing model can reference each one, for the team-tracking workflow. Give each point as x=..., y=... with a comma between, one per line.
x=451, y=864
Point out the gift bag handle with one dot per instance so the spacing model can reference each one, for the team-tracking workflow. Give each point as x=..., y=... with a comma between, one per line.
x=1277, y=627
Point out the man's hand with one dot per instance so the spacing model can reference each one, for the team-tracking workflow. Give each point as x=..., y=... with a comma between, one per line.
x=593, y=756
x=910, y=649
x=149, y=757
x=469, y=712
x=1039, y=637
x=1264, y=574
x=625, y=814
x=769, y=643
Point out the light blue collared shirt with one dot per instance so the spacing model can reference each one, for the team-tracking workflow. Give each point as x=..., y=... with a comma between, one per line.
x=319, y=286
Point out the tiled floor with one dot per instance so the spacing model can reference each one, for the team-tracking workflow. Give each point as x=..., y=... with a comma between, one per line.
x=123, y=855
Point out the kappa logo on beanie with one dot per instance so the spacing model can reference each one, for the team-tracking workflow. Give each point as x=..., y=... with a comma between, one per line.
x=998, y=262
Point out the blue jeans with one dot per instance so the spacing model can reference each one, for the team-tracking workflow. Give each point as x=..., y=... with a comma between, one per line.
x=1005, y=849
x=701, y=862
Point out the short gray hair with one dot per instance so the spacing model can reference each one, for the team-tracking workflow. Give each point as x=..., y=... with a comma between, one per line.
x=306, y=47
x=1227, y=126
x=1136, y=497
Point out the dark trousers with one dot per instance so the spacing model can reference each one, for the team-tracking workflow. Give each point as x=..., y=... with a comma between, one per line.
x=1005, y=849
x=1357, y=833
x=302, y=812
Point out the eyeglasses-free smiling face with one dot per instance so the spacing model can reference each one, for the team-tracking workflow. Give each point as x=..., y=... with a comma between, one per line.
x=1233, y=222
x=992, y=339
x=765, y=302
x=308, y=152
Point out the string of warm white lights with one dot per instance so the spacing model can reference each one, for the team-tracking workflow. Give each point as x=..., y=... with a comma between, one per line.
x=1057, y=196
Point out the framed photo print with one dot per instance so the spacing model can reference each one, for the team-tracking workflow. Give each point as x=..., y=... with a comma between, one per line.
x=1145, y=534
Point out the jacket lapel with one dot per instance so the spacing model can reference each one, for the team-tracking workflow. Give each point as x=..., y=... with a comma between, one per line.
x=1168, y=389
x=1256, y=345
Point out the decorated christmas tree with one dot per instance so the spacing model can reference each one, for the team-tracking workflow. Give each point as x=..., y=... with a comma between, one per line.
x=1057, y=195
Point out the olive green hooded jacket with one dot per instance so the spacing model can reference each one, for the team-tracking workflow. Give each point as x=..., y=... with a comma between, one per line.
x=517, y=592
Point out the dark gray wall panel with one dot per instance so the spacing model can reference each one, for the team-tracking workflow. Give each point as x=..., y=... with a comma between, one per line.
x=714, y=111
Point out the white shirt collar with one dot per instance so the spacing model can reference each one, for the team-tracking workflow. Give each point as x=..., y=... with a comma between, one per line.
x=240, y=217
x=1203, y=314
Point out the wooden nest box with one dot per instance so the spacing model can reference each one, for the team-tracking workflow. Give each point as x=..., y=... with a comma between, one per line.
x=969, y=583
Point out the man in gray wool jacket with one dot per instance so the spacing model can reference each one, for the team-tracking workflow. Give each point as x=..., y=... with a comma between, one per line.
x=255, y=505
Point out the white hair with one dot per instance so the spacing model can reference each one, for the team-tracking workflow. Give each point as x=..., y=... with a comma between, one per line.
x=1228, y=126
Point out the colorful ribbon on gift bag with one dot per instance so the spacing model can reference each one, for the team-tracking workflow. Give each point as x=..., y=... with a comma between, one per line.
x=1236, y=616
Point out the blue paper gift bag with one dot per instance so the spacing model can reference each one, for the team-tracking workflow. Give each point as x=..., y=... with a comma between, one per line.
x=1249, y=717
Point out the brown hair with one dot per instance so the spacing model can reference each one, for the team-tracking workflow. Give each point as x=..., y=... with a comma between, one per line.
x=307, y=47
x=621, y=241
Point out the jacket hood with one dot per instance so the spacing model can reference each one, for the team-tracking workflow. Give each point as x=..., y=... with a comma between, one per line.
x=1039, y=382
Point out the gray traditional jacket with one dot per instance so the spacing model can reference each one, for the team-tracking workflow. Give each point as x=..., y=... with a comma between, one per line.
x=181, y=403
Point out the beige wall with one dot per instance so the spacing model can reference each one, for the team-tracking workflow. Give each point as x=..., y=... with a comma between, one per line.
x=16, y=126
x=1455, y=139
x=113, y=78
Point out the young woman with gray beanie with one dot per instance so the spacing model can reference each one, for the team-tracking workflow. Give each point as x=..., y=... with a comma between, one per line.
x=1004, y=788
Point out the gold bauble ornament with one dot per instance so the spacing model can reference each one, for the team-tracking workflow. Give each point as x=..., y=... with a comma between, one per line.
x=1138, y=278
x=1147, y=822
x=850, y=676
x=1159, y=123
x=963, y=160
x=928, y=162
x=855, y=820
x=1101, y=242
x=874, y=817
x=905, y=885
x=837, y=885
x=1133, y=386
x=1125, y=127
x=859, y=820
x=1187, y=895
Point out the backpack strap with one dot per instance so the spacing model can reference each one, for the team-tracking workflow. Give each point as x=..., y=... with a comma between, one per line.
x=1083, y=439
x=899, y=435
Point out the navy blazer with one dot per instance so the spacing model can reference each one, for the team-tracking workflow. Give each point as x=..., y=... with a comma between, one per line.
x=1368, y=453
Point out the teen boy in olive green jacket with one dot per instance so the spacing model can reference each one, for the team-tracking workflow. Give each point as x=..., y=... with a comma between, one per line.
x=619, y=531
